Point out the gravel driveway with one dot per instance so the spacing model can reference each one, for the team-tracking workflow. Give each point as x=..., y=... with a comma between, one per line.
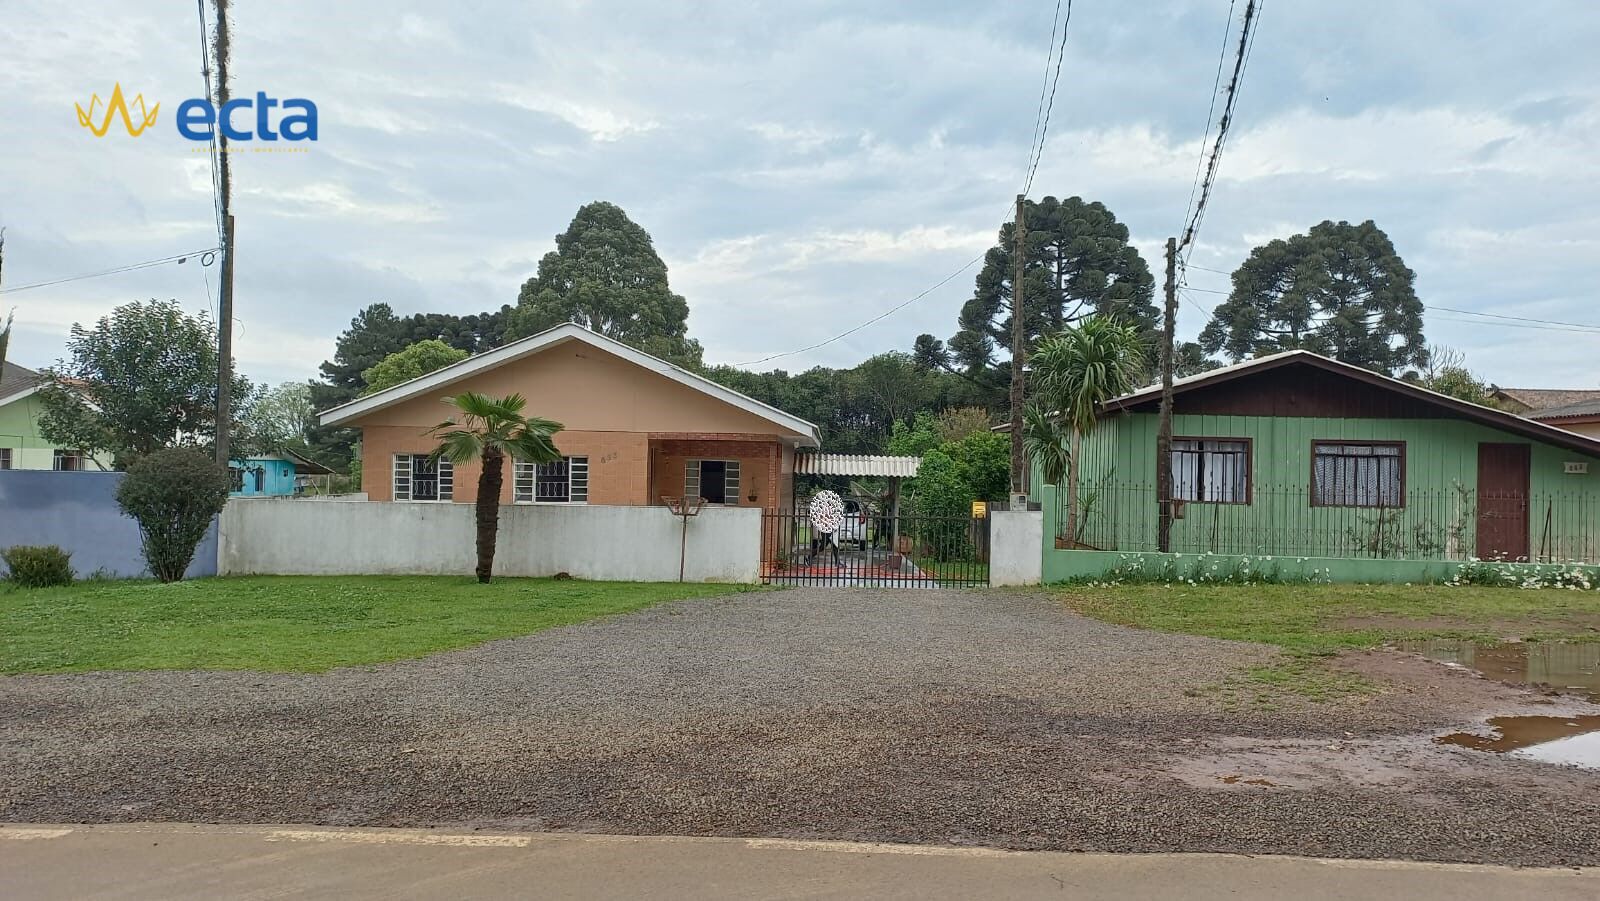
x=920, y=716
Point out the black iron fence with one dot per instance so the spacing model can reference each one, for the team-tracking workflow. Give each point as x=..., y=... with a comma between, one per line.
x=872, y=551
x=1449, y=524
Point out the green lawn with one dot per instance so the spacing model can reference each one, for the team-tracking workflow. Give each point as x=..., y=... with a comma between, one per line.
x=1321, y=619
x=294, y=623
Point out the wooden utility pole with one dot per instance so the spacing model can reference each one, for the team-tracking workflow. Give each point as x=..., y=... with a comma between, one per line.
x=1019, y=351
x=225, y=300
x=1164, y=427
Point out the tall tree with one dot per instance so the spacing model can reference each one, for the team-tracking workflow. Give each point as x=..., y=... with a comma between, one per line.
x=414, y=361
x=281, y=417
x=487, y=430
x=1080, y=369
x=143, y=378
x=1446, y=372
x=1340, y=290
x=605, y=275
x=1079, y=263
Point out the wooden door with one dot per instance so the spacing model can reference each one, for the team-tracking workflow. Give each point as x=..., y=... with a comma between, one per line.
x=1503, y=501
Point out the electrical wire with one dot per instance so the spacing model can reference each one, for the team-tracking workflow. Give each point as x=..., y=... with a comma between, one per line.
x=175, y=258
x=1216, y=84
x=894, y=309
x=1044, y=85
x=211, y=155
x=1044, y=132
x=1225, y=121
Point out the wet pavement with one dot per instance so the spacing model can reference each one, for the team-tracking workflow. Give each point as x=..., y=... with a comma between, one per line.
x=1567, y=668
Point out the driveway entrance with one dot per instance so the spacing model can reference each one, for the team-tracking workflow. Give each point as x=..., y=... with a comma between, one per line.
x=876, y=551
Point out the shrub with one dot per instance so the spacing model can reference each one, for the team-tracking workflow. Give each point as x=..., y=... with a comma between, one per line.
x=173, y=494
x=44, y=566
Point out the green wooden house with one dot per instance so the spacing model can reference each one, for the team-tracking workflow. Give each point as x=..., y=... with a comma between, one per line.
x=1296, y=455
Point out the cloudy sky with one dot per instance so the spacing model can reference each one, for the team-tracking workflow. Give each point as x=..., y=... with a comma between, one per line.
x=802, y=166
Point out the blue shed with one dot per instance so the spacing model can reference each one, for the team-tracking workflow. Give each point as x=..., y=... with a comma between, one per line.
x=273, y=475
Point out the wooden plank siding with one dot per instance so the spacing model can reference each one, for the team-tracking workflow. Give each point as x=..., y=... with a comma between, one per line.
x=1117, y=481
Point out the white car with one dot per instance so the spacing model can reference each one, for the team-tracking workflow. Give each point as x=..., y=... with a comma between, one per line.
x=856, y=528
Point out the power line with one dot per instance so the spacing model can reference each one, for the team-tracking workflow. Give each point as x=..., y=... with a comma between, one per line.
x=1044, y=85
x=1225, y=121
x=894, y=309
x=1581, y=325
x=1216, y=83
x=1044, y=132
x=211, y=155
x=175, y=258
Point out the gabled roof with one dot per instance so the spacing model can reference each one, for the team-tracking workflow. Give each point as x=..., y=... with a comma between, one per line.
x=17, y=381
x=1580, y=410
x=1538, y=400
x=555, y=337
x=1505, y=422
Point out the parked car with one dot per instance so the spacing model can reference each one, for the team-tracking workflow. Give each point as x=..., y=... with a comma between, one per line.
x=857, y=524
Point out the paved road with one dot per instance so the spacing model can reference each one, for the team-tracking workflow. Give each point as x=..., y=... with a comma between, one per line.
x=208, y=862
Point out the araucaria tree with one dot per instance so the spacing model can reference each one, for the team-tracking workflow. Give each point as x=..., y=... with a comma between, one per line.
x=488, y=430
x=1079, y=263
x=1079, y=370
x=605, y=275
x=1340, y=290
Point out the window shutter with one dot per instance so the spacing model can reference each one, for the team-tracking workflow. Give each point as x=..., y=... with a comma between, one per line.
x=446, y=480
x=578, y=472
x=731, y=483
x=402, y=477
x=691, y=479
x=522, y=481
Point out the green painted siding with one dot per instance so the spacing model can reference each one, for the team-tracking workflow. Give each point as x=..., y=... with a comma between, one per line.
x=19, y=432
x=1117, y=488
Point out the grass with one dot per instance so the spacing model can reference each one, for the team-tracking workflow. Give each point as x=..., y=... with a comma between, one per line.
x=294, y=623
x=1315, y=619
x=954, y=571
x=1309, y=621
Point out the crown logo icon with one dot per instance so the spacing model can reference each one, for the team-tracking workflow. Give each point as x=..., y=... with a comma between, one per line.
x=116, y=105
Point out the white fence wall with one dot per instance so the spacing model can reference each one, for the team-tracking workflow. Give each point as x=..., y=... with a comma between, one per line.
x=1016, y=547
x=292, y=537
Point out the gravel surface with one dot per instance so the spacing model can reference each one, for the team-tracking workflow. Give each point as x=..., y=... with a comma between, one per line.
x=920, y=716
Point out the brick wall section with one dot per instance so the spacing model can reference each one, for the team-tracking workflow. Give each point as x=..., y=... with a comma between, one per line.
x=759, y=465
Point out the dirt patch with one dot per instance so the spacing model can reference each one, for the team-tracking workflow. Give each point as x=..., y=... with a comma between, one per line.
x=1503, y=629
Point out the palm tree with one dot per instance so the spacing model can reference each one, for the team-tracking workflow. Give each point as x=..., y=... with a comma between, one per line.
x=1045, y=442
x=1080, y=369
x=490, y=429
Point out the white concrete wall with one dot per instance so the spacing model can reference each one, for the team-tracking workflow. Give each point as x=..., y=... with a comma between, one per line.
x=589, y=542
x=1016, y=547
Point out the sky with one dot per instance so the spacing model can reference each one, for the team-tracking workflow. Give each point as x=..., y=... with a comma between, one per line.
x=803, y=166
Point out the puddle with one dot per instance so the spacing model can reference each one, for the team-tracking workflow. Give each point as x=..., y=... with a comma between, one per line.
x=1561, y=666
x=1573, y=740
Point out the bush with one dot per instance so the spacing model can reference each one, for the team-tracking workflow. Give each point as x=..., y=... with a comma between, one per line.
x=173, y=494
x=38, y=567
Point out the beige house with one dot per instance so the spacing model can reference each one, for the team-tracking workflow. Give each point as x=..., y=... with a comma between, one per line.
x=636, y=429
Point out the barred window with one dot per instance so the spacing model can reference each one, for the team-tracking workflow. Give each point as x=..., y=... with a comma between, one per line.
x=1211, y=470
x=420, y=477
x=1346, y=474
x=5, y=458
x=69, y=460
x=565, y=481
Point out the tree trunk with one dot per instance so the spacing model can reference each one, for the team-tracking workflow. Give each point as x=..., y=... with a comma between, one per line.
x=1072, y=490
x=489, y=510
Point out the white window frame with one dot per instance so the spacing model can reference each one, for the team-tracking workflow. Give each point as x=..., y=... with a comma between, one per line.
x=524, y=481
x=731, y=477
x=62, y=454
x=400, y=475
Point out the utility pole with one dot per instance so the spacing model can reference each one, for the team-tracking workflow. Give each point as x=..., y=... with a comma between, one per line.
x=1164, y=427
x=225, y=300
x=1019, y=353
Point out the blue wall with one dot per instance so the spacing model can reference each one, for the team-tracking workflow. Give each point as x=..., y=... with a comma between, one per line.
x=78, y=511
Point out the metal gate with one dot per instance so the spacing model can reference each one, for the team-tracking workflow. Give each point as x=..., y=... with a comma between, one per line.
x=908, y=551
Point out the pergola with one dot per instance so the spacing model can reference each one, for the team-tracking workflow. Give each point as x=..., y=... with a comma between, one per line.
x=871, y=465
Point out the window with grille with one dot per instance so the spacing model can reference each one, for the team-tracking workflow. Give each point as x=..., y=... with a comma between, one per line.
x=1211, y=470
x=1345, y=474
x=715, y=480
x=564, y=482
x=5, y=458
x=68, y=461
x=419, y=477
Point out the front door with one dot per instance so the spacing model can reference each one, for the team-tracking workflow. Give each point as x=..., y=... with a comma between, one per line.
x=1503, y=501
